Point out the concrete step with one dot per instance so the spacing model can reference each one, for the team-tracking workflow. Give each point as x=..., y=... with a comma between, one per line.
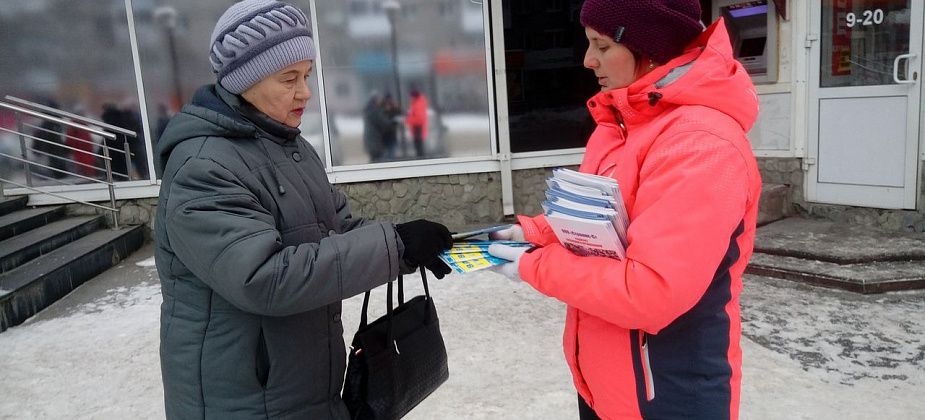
x=21, y=248
x=867, y=277
x=839, y=243
x=20, y=221
x=33, y=286
x=774, y=203
x=9, y=205
x=838, y=255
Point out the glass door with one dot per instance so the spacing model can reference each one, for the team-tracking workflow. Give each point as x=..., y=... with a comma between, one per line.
x=865, y=103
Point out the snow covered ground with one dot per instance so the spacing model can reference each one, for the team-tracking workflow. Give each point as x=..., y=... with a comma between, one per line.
x=809, y=353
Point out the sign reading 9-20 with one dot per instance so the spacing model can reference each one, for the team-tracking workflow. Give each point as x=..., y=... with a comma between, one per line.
x=864, y=18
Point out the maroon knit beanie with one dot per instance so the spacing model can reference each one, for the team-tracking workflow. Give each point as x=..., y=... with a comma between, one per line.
x=659, y=29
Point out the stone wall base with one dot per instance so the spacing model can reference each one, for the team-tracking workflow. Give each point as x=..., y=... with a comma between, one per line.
x=474, y=200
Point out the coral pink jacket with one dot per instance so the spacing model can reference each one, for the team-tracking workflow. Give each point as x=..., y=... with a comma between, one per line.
x=657, y=335
x=417, y=114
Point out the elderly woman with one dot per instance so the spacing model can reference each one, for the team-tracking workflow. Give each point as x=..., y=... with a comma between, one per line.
x=255, y=249
x=656, y=335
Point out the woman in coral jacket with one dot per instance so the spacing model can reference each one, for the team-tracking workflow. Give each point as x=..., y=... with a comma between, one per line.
x=656, y=335
x=417, y=121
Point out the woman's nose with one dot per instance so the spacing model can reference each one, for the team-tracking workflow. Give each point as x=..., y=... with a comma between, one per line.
x=304, y=92
x=590, y=62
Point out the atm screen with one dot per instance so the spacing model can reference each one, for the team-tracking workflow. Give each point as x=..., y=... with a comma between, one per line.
x=748, y=9
x=752, y=47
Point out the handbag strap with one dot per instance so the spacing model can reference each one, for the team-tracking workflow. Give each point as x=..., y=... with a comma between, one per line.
x=401, y=286
x=365, y=307
x=389, y=303
x=363, y=313
x=424, y=280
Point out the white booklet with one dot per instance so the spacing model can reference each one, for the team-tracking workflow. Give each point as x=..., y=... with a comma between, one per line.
x=587, y=213
x=584, y=233
x=607, y=187
x=603, y=206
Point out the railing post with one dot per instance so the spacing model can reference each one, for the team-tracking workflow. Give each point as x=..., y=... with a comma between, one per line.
x=112, y=191
x=22, y=146
x=128, y=158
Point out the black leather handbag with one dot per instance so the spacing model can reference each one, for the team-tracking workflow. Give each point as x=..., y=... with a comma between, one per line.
x=397, y=360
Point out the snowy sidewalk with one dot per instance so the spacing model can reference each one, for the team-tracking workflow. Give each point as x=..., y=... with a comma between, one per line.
x=809, y=353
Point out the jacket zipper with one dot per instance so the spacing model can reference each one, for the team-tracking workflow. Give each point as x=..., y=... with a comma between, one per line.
x=646, y=366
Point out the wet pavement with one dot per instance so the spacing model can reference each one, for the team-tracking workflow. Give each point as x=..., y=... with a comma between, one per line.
x=842, y=336
x=809, y=352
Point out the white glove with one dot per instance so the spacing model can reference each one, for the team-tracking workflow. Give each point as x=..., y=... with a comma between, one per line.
x=513, y=233
x=511, y=253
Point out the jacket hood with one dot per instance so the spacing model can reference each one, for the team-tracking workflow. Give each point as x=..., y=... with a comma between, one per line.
x=705, y=74
x=208, y=114
x=216, y=112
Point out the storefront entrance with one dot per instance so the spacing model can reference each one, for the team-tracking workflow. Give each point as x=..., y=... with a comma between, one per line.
x=865, y=102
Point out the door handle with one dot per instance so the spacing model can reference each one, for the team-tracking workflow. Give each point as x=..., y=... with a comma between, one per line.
x=896, y=68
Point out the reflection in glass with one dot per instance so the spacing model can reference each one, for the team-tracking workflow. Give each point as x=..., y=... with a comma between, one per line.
x=173, y=41
x=46, y=58
x=861, y=40
x=376, y=54
x=547, y=84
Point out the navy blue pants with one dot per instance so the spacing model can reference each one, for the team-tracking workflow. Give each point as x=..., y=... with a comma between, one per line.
x=584, y=411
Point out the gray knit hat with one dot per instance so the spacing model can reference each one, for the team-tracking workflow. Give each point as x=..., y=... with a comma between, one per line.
x=256, y=38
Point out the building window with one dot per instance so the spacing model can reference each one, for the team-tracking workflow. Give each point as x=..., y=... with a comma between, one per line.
x=173, y=41
x=82, y=67
x=547, y=85
x=383, y=59
x=860, y=42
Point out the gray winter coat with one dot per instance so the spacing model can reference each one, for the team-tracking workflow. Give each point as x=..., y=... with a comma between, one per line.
x=255, y=251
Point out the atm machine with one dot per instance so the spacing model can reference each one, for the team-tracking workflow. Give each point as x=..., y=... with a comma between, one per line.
x=753, y=30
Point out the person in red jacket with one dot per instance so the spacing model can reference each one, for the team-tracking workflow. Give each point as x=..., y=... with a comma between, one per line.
x=656, y=335
x=417, y=121
x=86, y=161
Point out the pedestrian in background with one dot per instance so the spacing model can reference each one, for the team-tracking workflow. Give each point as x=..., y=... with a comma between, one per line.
x=84, y=160
x=49, y=142
x=375, y=122
x=656, y=335
x=112, y=115
x=390, y=134
x=254, y=247
x=417, y=121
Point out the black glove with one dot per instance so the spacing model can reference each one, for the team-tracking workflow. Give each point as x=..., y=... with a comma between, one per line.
x=423, y=241
x=438, y=267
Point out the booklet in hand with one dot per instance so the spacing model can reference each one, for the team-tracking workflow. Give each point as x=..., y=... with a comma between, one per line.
x=468, y=256
x=464, y=235
x=587, y=213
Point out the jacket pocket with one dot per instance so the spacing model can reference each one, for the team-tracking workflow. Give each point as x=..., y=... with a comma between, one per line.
x=262, y=361
x=646, y=365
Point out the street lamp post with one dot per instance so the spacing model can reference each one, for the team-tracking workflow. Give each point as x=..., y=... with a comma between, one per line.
x=392, y=8
x=166, y=16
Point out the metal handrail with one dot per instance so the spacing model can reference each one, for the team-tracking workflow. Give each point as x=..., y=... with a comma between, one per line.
x=57, y=120
x=28, y=164
x=61, y=113
x=69, y=137
x=77, y=163
x=62, y=171
x=64, y=146
x=112, y=209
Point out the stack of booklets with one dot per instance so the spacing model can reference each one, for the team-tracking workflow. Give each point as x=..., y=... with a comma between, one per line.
x=468, y=256
x=587, y=213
